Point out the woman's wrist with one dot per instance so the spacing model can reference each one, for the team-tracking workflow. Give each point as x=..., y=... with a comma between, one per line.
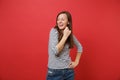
x=76, y=62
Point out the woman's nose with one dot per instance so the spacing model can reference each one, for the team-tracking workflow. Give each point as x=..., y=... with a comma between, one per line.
x=59, y=21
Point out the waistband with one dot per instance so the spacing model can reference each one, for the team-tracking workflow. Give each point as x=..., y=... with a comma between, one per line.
x=60, y=69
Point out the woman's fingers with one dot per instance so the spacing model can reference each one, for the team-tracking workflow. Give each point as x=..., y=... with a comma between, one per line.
x=67, y=32
x=71, y=65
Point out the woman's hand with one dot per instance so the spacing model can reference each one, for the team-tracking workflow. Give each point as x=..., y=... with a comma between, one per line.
x=73, y=64
x=66, y=32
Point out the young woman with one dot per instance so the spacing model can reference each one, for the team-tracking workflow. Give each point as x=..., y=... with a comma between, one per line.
x=61, y=40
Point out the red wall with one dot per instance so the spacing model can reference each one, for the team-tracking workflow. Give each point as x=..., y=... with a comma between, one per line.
x=24, y=31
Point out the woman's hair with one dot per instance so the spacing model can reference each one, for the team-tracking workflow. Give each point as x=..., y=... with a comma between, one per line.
x=60, y=34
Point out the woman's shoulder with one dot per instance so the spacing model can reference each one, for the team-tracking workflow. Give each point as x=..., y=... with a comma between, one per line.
x=53, y=30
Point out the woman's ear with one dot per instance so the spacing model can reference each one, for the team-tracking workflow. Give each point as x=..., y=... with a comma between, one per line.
x=68, y=23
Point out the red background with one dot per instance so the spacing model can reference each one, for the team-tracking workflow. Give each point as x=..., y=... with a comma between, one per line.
x=24, y=32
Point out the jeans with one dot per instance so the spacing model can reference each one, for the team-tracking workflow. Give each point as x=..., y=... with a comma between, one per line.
x=60, y=74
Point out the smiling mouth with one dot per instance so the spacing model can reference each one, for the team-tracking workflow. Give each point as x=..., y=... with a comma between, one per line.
x=60, y=25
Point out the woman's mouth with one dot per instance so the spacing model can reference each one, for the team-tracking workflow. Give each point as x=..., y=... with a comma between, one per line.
x=61, y=25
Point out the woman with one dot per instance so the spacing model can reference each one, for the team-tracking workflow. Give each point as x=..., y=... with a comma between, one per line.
x=61, y=40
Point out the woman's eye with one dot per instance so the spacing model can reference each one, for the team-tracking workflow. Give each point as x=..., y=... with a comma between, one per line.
x=61, y=19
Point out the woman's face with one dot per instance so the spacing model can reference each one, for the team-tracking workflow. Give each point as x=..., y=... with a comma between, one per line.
x=62, y=21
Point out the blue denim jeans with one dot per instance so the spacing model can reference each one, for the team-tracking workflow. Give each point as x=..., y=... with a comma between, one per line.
x=60, y=74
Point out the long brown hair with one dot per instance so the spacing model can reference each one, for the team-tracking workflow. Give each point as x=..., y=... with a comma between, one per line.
x=60, y=34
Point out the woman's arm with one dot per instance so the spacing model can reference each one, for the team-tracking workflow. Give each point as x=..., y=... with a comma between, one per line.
x=55, y=47
x=78, y=55
x=77, y=59
x=76, y=62
x=61, y=44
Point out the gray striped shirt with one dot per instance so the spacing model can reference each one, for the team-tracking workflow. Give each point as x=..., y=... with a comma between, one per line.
x=64, y=59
